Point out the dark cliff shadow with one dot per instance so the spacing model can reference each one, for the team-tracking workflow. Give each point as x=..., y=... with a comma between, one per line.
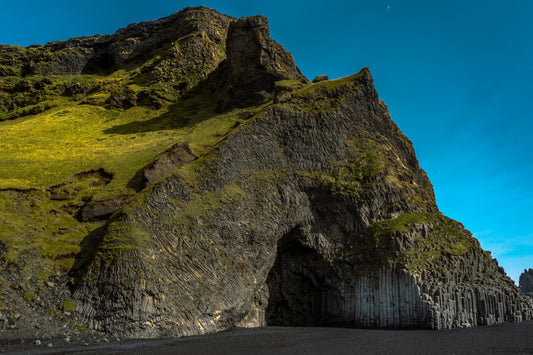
x=180, y=115
x=137, y=182
x=199, y=103
x=89, y=247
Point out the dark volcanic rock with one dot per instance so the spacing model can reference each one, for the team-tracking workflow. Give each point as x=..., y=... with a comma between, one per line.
x=255, y=61
x=526, y=282
x=101, y=209
x=122, y=97
x=314, y=212
x=174, y=157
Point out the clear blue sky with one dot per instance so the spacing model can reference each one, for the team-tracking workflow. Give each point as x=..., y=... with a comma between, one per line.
x=457, y=76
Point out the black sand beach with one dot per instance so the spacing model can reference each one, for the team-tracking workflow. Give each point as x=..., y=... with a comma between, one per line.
x=514, y=338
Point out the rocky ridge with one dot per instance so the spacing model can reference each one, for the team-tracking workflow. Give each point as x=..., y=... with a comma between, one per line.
x=182, y=47
x=311, y=210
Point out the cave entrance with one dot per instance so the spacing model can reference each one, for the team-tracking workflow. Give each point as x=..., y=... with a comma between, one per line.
x=300, y=285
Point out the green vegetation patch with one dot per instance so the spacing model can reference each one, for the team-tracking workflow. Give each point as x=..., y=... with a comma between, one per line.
x=394, y=241
x=290, y=85
x=68, y=305
x=356, y=175
x=319, y=97
x=30, y=222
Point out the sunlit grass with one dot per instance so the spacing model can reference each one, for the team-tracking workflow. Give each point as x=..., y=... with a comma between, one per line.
x=49, y=148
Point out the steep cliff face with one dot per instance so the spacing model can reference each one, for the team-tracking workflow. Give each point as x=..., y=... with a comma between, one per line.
x=255, y=62
x=312, y=211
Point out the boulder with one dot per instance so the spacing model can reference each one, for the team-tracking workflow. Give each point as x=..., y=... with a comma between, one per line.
x=173, y=158
x=122, y=97
x=320, y=78
x=100, y=209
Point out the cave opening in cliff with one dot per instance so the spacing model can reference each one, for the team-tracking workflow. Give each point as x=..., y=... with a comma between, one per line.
x=298, y=285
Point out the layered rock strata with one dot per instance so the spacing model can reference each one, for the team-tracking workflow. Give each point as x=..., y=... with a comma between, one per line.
x=314, y=211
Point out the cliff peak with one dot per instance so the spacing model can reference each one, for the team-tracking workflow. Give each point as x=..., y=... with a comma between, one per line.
x=255, y=61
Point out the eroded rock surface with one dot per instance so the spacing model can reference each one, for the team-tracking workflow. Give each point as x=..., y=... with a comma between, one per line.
x=100, y=209
x=255, y=61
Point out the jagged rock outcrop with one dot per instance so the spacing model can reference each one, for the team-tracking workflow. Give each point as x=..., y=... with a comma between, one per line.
x=255, y=62
x=526, y=282
x=101, y=209
x=315, y=211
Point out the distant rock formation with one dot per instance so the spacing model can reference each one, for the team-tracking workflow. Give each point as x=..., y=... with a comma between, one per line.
x=526, y=282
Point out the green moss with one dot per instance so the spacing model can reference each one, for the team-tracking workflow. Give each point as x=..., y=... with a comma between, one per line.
x=68, y=305
x=290, y=85
x=53, y=312
x=356, y=175
x=445, y=237
x=45, y=230
x=30, y=296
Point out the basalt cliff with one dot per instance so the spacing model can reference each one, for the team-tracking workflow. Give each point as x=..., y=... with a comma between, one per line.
x=274, y=200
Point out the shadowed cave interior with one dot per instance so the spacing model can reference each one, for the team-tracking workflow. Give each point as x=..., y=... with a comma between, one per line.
x=300, y=285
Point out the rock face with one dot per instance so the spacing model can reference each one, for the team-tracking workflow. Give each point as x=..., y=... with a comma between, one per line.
x=100, y=210
x=315, y=211
x=526, y=282
x=255, y=61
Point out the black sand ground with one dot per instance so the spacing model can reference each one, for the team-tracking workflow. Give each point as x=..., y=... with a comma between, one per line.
x=514, y=338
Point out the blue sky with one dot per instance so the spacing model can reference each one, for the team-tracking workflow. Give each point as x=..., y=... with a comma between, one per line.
x=457, y=76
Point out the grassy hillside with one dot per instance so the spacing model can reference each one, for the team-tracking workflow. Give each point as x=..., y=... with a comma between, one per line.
x=43, y=154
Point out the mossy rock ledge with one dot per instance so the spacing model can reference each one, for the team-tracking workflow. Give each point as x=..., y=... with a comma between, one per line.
x=307, y=205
